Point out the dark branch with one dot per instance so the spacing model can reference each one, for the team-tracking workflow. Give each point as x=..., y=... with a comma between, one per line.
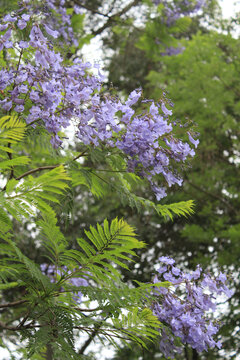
x=15, y=303
x=212, y=195
x=87, y=310
x=90, y=339
x=10, y=158
x=40, y=168
x=4, y=326
x=84, y=6
x=47, y=167
x=19, y=328
x=114, y=17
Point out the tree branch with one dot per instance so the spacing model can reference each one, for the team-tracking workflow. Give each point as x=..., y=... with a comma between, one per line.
x=47, y=167
x=49, y=352
x=15, y=303
x=17, y=328
x=84, y=6
x=10, y=158
x=114, y=17
x=90, y=339
x=40, y=168
x=212, y=195
x=4, y=326
x=87, y=310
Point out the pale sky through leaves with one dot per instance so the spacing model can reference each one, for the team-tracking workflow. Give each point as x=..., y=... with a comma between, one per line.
x=229, y=7
x=93, y=51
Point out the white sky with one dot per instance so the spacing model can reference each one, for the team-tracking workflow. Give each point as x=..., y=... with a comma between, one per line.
x=229, y=7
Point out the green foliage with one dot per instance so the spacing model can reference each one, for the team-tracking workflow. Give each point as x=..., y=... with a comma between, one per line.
x=202, y=83
x=107, y=245
x=136, y=322
x=115, y=178
x=48, y=303
x=11, y=130
x=25, y=198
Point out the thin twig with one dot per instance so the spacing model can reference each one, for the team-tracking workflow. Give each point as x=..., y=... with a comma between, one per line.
x=10, y=158
x=19, y=328
x=24, y=319
x=11, y=304
x=40, y=168
x=4, y=326
x=87, y=310
x=84, y=6
x=114, y=17
x=91, y=337
x=80, y=155
x=212, y=195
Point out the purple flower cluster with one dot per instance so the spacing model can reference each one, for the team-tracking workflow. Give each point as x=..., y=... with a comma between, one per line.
x=50, y=93
x=53, y=14
x=174, y=10
x=171, y=51
x=51, y=272
x=185, y=307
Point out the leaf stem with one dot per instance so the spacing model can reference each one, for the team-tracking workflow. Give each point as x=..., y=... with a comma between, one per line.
x=11, y=304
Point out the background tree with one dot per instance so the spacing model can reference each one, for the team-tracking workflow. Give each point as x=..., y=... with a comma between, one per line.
x=207, y=69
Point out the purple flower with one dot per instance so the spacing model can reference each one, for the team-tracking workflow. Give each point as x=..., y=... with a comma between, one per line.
x=6, y=105
x=7, y=34
x=77, y=9
x=40, y=59
x=51, y=32
x=21, y=24
x=222, y=278
x=23, y=89
x=167, y=260
x=26, y=17
x=173, y=51
x=23, y=44
x=133, y=97
x=162, y=269
x=19, y=108
x=185, y=308
x=175, y=271
x=168, y=277
x=3, y=27
x=8, y=44
x=165, y=110
x=160, y=192
x=37, y=40
x=9, y=18
x=194, y=142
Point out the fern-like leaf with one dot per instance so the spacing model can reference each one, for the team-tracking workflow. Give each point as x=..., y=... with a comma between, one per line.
x=183, y=208
x=12, y=130
x=107, y=246
x=23, y=198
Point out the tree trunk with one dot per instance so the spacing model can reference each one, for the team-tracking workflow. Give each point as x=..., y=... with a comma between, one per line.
x=195, y=355
x=49, y=352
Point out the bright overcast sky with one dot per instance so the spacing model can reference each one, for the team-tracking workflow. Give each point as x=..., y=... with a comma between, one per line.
x=229, y=7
